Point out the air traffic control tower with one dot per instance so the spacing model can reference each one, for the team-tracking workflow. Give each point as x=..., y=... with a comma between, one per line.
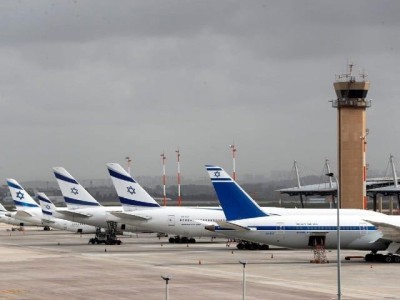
x=351, y=106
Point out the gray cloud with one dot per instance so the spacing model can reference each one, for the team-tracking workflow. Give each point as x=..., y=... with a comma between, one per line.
x=83, y=83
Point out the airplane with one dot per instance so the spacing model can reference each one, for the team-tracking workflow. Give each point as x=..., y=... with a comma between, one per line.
x=185, y=222
x=84, y=208
x=27, y=209
x=142, y=210
x=49, y=213
x=7, y=217
x=247, y=221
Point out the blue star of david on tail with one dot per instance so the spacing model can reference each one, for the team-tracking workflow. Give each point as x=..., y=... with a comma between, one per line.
x=74, y=191
x=20, y=195
x=131, y=190
x=217, y=174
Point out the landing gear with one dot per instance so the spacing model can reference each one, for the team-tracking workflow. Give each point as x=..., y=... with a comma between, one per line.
x=181, y=240
x=109, y=237
x=317, y=242
x=386, y=258
x=246, y=245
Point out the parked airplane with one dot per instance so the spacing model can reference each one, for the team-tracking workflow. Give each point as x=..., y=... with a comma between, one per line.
x=246, y=220
x=185, y=222
x=8, y=217
x=49, y=213
x=27, y=209
x=83, y=208
x=142, y=210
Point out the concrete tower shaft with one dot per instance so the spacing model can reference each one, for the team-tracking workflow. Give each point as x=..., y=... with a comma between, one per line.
x=351, y=105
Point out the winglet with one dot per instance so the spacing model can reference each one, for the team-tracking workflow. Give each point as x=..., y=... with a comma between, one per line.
x=75, y=195
x=235, y=202
x=131, y=195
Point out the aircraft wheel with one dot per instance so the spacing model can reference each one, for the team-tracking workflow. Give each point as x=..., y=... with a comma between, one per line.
x=240, y=246
x=192, y=240
x=171, y=240
x=388, y=258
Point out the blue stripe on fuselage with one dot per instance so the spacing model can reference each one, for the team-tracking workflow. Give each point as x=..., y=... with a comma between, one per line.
x=279, y=228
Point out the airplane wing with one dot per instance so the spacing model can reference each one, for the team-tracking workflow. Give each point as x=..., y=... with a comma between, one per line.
x=389, y=231
x=71, y=213
x=44, y=221
x=230, y=225
x=222, y=225
x=130, y=216
x=22, y=214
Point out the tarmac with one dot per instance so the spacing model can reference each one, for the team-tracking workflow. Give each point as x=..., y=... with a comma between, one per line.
x=37, y=264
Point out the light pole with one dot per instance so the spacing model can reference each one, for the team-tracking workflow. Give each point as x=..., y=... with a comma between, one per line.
x=339, y=288
x=233, y=160
x=164, y=181
x=128, y=160
x=167, y=278
x=243, y=263
x=178, y=155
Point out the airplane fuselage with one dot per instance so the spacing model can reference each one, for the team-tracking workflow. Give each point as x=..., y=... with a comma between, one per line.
x=97, y=216
x=301, y=231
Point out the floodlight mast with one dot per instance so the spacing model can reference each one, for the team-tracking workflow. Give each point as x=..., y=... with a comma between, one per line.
x=178, y=155
x=128, y=160
x=232, y=146
x=167, y=278
x=163, y=157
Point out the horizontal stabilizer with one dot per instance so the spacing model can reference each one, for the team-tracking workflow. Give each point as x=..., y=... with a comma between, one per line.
x=389, y=231
x=130, y=216
x=76, y=214
x=47, y=221
x=22, y=214
x=233, y=226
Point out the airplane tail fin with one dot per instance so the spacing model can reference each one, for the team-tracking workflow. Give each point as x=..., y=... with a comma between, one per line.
x=131, y=195
x=22, y=200
x=75, y=195
x=47, y=206
x=235, y=202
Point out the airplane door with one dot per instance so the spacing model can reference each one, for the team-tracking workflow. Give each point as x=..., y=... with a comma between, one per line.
x=280, y=228
x=363, y=229
x=171, y=220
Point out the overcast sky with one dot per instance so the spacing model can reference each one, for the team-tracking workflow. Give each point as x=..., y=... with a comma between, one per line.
x=83, y=83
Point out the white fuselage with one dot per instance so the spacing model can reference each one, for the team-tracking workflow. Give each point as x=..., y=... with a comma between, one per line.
x=299, y=231
x=8, y=218
x=184, y=221
x=97, y=216
x=32, y=215
x=177, y=220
